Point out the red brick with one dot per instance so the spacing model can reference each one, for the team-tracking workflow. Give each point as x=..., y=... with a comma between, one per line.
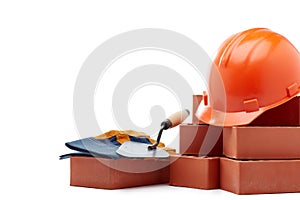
x=260, y=176
x=196, y=102
x=106, y=173
x=200, y=140
x=261, y=142
x=287, y=114
x=195, y=172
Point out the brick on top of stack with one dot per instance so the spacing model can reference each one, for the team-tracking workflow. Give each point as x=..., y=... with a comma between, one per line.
x=287, y=114
x=196, y=102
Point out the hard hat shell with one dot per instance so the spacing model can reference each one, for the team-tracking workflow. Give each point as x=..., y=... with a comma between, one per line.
x=254, y=71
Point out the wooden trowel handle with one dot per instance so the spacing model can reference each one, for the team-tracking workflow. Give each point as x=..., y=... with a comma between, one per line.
x=172, y=121
x=175, y=119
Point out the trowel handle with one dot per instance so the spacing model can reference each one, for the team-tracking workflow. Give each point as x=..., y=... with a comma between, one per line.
x=175, y=119
x=172, y=121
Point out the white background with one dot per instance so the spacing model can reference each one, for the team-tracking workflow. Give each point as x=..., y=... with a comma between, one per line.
x=42, y=47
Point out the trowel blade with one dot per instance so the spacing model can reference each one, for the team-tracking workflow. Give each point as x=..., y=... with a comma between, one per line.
x=132, y=149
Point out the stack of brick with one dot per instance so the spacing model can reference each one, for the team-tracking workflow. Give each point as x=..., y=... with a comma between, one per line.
x=262, y=157
x=200, y=148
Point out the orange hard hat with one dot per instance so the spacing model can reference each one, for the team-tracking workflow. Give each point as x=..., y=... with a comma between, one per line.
x=254, y=71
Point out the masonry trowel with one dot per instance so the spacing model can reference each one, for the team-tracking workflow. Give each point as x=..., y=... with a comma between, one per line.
x=133, y=149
